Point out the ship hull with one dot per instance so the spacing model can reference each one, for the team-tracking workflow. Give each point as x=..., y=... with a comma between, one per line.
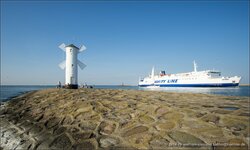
x=193, y=85
x=174, y=81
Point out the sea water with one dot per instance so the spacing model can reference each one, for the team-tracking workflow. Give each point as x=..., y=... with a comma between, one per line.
x=8, y=91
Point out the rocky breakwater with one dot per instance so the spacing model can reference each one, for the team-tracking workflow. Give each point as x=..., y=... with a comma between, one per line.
x=124, y=119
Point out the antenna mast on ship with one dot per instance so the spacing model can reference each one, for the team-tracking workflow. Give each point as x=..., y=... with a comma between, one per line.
x=195, y=67
x=153, y=72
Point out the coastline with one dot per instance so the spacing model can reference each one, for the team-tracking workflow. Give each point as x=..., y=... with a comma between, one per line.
x=109, y=118
x=244, y=85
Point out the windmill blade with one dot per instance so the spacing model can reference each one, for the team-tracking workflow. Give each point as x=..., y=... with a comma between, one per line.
x=81, y=65
x=62, y=65
x=62, y=46
x=82, y=48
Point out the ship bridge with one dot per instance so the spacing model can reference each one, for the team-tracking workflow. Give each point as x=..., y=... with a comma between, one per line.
x=214, y=74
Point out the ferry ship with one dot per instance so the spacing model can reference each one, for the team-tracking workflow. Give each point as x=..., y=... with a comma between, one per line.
x=207, y=78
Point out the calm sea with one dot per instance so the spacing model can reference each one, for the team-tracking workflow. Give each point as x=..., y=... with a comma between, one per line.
x=7, y=91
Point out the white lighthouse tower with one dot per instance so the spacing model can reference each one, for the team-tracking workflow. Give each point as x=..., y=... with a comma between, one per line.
x=70, y=64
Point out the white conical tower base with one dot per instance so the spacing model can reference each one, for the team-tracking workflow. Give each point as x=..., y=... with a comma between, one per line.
x=70, y=65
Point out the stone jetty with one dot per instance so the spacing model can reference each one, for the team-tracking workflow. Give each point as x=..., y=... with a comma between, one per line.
x=124, y=119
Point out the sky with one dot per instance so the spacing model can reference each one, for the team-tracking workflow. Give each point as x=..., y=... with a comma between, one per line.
x=124, y=39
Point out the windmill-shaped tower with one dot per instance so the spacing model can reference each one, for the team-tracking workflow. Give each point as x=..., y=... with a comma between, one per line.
x=70, y=64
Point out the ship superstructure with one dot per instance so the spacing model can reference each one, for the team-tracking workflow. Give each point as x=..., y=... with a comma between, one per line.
x=207, y=78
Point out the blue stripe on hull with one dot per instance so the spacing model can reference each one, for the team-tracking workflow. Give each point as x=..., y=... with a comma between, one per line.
x=194, y=85
x=146, y=85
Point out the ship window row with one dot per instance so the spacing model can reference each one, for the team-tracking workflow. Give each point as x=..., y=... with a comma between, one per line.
x=189, y=79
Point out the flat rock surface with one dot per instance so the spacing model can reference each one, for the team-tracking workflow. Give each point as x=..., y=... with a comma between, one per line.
x=123, y=119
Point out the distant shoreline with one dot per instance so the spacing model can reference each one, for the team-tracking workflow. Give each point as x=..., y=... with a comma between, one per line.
x=11, y=90
x=244, y=85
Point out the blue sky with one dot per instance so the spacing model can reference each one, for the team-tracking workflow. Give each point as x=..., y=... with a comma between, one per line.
x=123, y=39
